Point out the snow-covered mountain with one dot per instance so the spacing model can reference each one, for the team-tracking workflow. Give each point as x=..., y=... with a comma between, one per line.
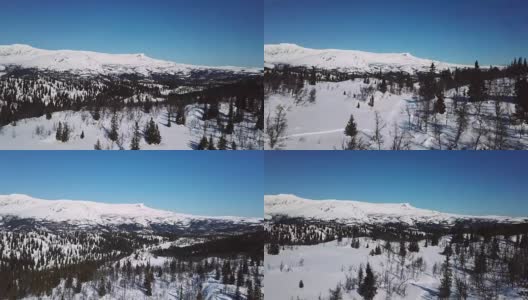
x=87, y=213
x=348, y=60
x=355, y=212
x=87, y=62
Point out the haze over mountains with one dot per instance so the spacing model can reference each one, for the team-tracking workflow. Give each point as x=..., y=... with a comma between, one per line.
x=355, y=212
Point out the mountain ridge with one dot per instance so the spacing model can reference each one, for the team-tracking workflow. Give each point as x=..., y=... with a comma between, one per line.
x=348, y=60
x=90, y=213
x=346, y=211
x=91, y=62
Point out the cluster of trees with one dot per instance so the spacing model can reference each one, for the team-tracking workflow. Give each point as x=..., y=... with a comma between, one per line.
x=34, y=262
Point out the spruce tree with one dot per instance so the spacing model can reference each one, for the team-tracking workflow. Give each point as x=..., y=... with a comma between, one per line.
x=222, y=143
x=203, y=143
x=445, y=283
x=439, y=106
x=113, y=135
x=82, y=135
x=368, y=288
x=351, y=128
x=210, y=144
x=65, y=136
x=301, y=284
x=58, y=134
x=152, y=133
x=97, y=145
x=136, y=137
x=476, y=85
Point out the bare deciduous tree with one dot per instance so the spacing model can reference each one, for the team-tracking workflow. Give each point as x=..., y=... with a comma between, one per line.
x=276, y=127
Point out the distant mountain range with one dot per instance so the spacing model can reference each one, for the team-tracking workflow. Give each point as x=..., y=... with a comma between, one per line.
x=20, y=211
x=355, y=212
x=94, y=63
x=348, y=60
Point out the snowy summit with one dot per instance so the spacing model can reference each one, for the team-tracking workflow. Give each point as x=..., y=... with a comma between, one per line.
x=88, y=62
x=353, y=212
x=348, y=60
x=101, y=214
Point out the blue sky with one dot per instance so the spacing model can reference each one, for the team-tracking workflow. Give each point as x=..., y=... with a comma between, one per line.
x=206, y=32
x=206, y=183
x=450, y=181
x=458, y=31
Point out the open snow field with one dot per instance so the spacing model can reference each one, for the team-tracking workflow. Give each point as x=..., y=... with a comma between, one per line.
x=317, y=123
x=39, y=133
x=321, y=267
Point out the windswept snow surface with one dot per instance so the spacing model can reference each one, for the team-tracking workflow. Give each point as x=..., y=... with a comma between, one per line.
x=354, y=212
x=88, y=62
x=96, y=213
x=347, y=60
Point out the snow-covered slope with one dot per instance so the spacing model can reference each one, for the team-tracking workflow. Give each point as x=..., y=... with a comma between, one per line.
x=348, y=60
x=87, y=62
x=102, y=214
x=352, y=212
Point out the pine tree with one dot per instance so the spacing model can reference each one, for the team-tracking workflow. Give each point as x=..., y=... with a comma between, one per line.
x=351, y=128
x=65, y=136
x=368, y=288
x=233, y=145
x=383, y=86
x=151, y=133
x=445, y=283
x=439, y=106
x=113, y=135
x=301, y=284
x=210, y=144
x=147, y=284
x=476, y=85
x=82, y=135
x=222, y=143
x=312, y=76
x=203, y=144
x=371, y=101
x=101, y=289
x=97, y=145
x=230, y=126
x=136, y=137
x=58, y=134
x=180, y=115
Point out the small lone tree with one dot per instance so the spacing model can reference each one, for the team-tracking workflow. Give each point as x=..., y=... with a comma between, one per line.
x=152, y=133
x=82, y=135
x=203, y=143
x=301, y=284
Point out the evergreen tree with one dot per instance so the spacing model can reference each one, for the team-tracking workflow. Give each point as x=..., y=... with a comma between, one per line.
x=147, y=284
x=476, y=86
x=113, y=135
x=65, y=136
x=445, y=283
x=101, y=289
x=203, y=143
x=152, y=133
x=233, y=145
x=383, y=86
x=301, y=284
x=210, y=144
x=180, y=115
x=230, y=126
x=351, y=128
x=222, y=143
x=58, y=134
x=97, y=145
x=82, y=135
x=368, y=288
x=136, y=137
x=312, y=77
x=439, y=106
